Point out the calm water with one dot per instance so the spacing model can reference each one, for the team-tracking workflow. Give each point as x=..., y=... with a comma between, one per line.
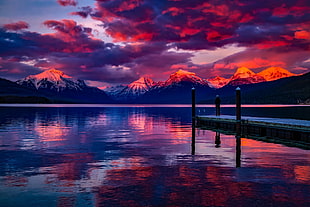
x=141, y=156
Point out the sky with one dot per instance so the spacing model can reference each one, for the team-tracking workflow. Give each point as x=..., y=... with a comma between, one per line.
x=111, y=42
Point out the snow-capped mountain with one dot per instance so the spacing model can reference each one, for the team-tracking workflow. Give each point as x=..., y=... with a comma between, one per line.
x=139, y=86
x=52, y=79
x=114, y=90
x=217, y=82
x=55, y=84
x=183, y=76
x=243, y=76
x=177, y=89
x=131, y=91
x=275, y=73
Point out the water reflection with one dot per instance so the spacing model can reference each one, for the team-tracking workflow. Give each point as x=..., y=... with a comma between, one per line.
x=217, y=139
x=140, y=157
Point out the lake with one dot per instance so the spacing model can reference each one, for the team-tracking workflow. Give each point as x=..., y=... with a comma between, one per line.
x=140, y=155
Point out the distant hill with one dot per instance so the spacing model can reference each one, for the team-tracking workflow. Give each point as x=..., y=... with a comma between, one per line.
x=10, y=88
x=11, y=92
x=291, y=90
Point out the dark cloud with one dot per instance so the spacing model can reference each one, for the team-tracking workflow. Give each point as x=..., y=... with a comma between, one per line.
x=200, y=24
x=275, y=33
x=84, y=12
x=16, y=26
x=73, y=49
x=159, y=65
x=14, y=70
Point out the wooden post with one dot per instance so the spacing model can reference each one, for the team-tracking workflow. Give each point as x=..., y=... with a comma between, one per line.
x=193, y=104
x=238, y=104
x=238, y=127
x=217, y=105
x=193, y=120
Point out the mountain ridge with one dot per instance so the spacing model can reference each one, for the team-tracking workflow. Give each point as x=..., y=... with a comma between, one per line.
x=54, y=86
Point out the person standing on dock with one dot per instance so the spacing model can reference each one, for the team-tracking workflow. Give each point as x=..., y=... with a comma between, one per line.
x=217, y=105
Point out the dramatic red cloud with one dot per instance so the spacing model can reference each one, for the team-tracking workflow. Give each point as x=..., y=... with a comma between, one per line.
x=67, y=2
x=77, y=37
x=174, y=11
x=67, y=30
x=271, y=44
x=202, y=25
x=129, y=5
x=156, y=37
x=213, y=36
x=16, y=26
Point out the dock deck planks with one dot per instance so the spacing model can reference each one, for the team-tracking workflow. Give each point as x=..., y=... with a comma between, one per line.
x=286, y=129
x=276, y=122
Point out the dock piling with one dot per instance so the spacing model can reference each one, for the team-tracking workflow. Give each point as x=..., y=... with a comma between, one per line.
x=193, y=104
x=193, y=120
x=238, y=104
x=217, y=105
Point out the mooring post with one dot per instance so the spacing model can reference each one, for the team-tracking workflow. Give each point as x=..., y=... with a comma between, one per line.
x=238, y=104
x=217, y=105
x=193, y=104
x=238, y=127
x=193, y=119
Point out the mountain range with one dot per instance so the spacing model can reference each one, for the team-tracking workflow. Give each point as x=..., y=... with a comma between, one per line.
x=53, y=86
x=171, y=90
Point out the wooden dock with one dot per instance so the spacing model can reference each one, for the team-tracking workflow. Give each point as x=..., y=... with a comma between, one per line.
x=291, y=130
x=288, y=129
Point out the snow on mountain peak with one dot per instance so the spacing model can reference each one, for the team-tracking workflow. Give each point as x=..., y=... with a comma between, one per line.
x=51, y=75
x=275, y=73
x=181, y=72
x=243, y=72
x=183, y=75
x=244, y=75
x=134, y=89
x=142, y=83
x=52, y=79
x=217, y=82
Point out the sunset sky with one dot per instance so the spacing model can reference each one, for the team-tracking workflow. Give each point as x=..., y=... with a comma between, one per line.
x=107, y=42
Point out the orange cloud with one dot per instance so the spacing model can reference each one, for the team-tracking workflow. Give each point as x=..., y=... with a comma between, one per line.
x=302, y=35
x=259, y=62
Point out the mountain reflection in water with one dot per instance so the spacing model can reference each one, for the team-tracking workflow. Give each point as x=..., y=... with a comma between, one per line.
x=139, y=156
